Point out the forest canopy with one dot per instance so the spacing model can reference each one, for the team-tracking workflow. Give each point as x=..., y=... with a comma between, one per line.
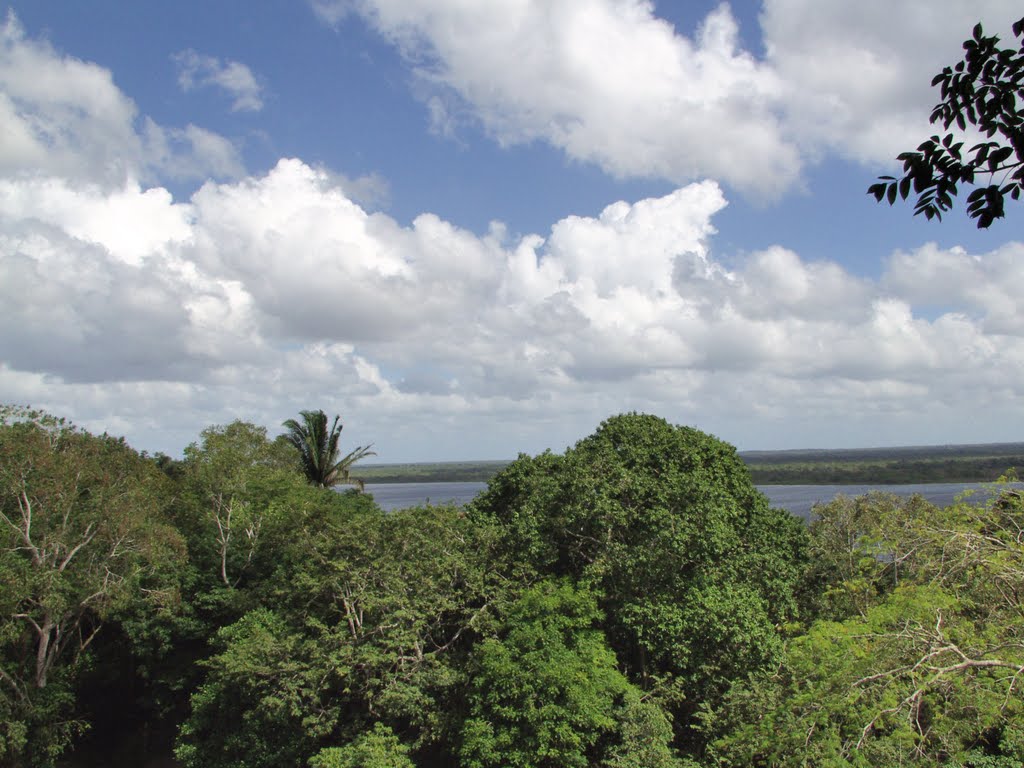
x=633, y=601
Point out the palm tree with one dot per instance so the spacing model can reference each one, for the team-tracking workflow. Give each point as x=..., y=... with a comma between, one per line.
x=318, y=450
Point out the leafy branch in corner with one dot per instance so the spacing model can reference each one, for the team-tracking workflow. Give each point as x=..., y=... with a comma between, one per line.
x=985, y=90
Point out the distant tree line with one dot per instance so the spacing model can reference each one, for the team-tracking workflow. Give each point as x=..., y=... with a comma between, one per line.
x=956, y=470
x=633, y=602
x=434, y=472
x=947, y=464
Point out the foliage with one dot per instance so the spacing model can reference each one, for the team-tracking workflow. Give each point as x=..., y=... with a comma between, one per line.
x=232, y=499
x=82, y=536
x=643, y=735
x=318, y=450
x=378, y=748
x=252, y=707
x=926, y=673
x=985, y=90
x=233, y=482
x=628, y=601
x=692, y=569
x=365, y=621
x=861, y=549
x=548, y=693
x=402, y=597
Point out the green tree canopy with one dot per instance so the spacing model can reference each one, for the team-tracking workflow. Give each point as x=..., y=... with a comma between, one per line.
x=233, y=481
x=547, y=693
x=376, y=748
x=367, y=620
x=861, y=549
x=926, y=670
x=83, y=534
x=986, y=91
x=692, y=569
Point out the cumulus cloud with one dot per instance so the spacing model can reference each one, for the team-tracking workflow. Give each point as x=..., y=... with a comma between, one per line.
x=189, y=153
x=88, y=297
x=953, y=279
x=259, y=296
x=856, y=76
x=609, y=82
x=605, y=80
x=196, y=70
x=64, y=117
x=60, y=114
x=279, y=290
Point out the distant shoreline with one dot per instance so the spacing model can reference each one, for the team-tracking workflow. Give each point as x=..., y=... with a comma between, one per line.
x=847, y=466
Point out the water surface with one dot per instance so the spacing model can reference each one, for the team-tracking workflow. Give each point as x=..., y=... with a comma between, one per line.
x=798, y=499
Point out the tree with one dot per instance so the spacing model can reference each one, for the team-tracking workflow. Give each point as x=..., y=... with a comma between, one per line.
x=366, y=621
x=985, y=90
x=926, y=673
x=231, y=480
x=861, y=549
x=83, y=535
x=318, y=450
x=548, y=693
x=692, y=569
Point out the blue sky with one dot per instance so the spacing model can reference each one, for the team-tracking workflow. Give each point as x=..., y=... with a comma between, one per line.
x=478, y=229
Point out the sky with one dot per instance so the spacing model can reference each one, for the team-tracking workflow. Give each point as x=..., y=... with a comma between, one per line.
x=479, y=228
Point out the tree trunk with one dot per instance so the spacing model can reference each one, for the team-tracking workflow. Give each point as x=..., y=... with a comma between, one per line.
x=44, y=652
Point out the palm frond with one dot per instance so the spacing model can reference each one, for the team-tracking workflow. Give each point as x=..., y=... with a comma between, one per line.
x=318, y=449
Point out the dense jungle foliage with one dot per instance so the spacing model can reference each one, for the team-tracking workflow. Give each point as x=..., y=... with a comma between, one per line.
x=632, y=602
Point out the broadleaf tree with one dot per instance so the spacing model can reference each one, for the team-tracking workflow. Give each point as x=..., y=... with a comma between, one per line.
x=83, y=534
x=547, y=692
x=231, y=480
x=366, y=622
x=377, y=748
x=692, y=569
x=925, y=671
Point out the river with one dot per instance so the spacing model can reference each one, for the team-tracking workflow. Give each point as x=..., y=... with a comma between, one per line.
x=798, y=499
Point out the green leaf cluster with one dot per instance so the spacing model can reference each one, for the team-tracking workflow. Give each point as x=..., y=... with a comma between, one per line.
x=986, y=90
x=318, y=451
x=917, y=656
x=547, y=692
x=692, y=570
x=377, y=748
x=85, y=536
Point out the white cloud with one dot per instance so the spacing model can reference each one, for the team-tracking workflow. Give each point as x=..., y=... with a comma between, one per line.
x=605, y=80
x=983, y=285
x=331, y=11
x=64, y=117
x=264, y=296
x=857, y=76
x=609, y=82
x=189, y=153
x=99, y=218
x=369, y=191
x=94, y=288
x=130, y=311
x=60, y=114
x=196, y=70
